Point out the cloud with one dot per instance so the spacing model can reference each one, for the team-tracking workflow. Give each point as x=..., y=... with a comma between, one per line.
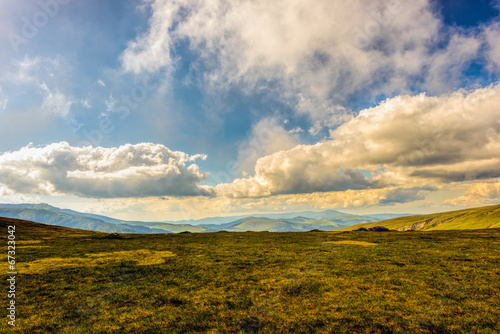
x=406, y=140
x=151, y=51
x=9, y=196
x=47, y=76
x=297, y=129
x=157, y=208
x=446, y=66
x=492, y=34
x=127, y=171
x=310, y=57
x=33, y=70
x=268, y=136
x=359, y=198
x=86, y=104
x=479, y=193
x=55, y=102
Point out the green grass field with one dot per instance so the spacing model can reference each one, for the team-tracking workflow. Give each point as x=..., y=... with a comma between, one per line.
x=73, y=281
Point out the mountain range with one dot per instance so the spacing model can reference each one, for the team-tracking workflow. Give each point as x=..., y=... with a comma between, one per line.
x=276, y=222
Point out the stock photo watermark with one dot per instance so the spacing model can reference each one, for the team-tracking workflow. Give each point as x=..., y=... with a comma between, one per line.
x=11, y=275
x=31, y=26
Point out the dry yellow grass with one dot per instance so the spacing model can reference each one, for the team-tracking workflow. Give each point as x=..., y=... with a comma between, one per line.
x=142, y=257
x=27, y=242
x=351, y=242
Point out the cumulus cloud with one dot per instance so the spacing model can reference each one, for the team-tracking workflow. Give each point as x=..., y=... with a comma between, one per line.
x=359, y=198
x=321, y=53
x=478, y=193
x=405, y=140
x=127, y=171
x=267, y=137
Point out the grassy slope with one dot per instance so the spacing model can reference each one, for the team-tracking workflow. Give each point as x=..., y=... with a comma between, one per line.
x=476, y=218
x=325, y=282
x=42, y=230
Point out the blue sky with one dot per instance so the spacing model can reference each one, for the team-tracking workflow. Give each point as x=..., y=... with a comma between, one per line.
x=169, y=110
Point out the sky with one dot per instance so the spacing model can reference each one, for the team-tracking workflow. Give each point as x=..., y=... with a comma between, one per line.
x=184, y=109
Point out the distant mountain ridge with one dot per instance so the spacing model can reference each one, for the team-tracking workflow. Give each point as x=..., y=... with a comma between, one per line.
x=72, y=220
x=275, y=222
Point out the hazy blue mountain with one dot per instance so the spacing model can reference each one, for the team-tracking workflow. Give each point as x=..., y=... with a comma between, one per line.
x=350, y=219
x=56, y=217
x=284, y=225
x=384, y=216
x=48, y=207
x=273, y=222
x=283, y=215
x=231, y=224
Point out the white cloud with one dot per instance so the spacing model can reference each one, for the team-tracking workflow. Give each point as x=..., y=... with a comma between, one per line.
x=479, y=193
x=110, y=103
x=9, y=196
x=33, y=70
x=445, y=68
x=492, y=35
x=151, y=51
x=321, y=54
x=406, y=140
x=86, y=104
x=127, y=171
x=297, y=129
x=267, y=137
x=55, y=102
x=323, y=114
x=46, y=75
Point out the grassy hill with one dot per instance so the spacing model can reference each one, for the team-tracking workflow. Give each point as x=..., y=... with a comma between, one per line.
x=468, y=219
x=74, y=281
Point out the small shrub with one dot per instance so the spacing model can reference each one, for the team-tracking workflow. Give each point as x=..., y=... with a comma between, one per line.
x=113, y=236
x=379, y=229
x=167, y=300
x=251, y=324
